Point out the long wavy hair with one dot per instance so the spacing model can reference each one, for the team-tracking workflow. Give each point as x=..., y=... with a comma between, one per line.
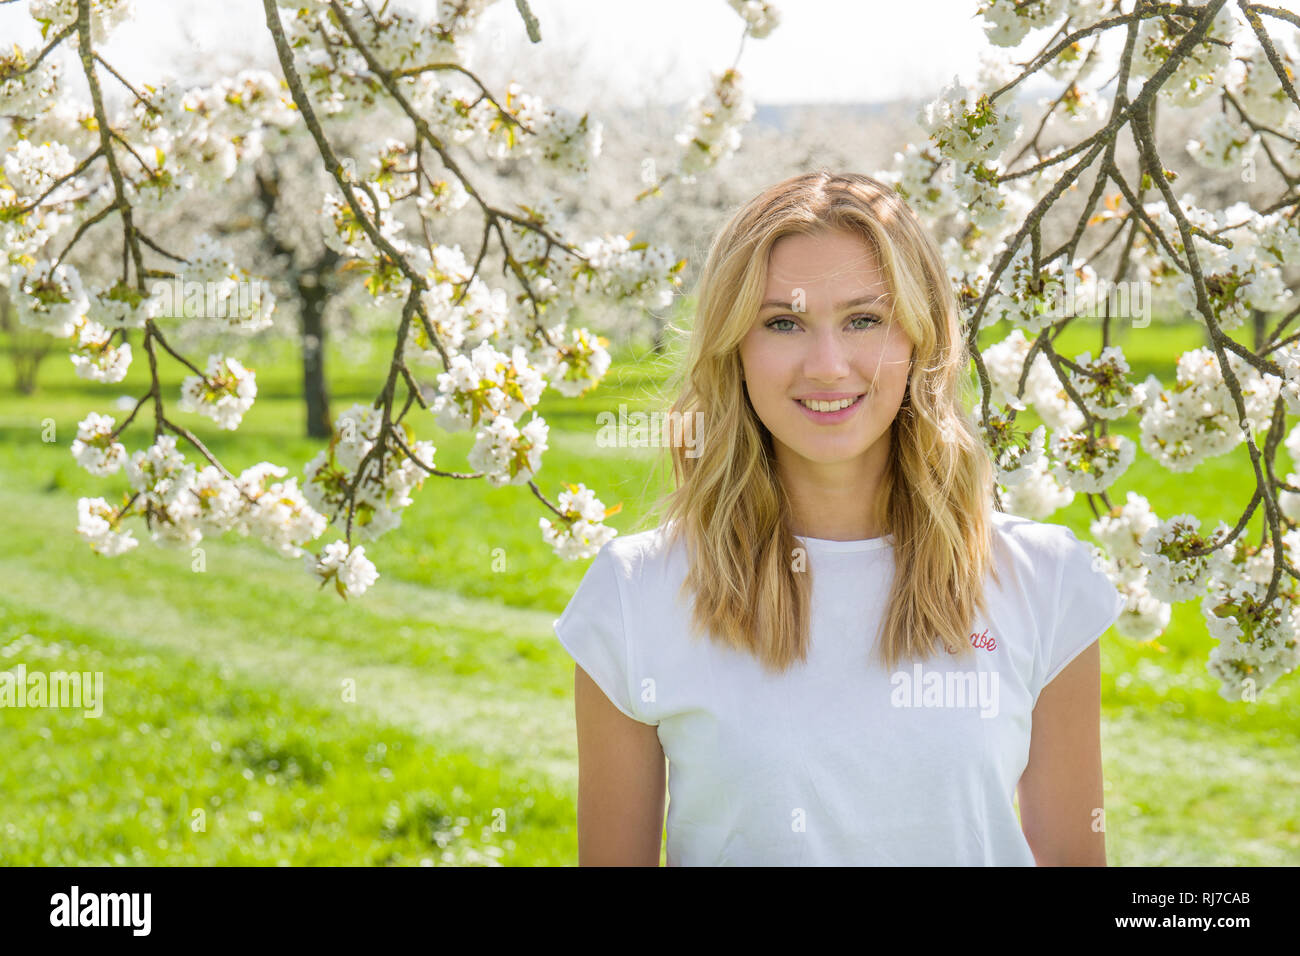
x=728, y=505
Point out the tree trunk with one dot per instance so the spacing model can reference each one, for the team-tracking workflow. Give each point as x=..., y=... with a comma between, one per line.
x=312, y=294
x=25, y=365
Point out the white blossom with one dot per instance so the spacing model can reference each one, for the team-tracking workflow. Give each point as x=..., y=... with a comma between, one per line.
x=94, y=450
x=486, y=383
x=580, y=532
x=1094, y=466
x=351, y=571
x=95, y=523
x=1037, y=496
x=48, y=298
x=761, y=17
x=508, y=455
x=95, y=358
x=224, y=393
x=1175, y=575
x=714, y=119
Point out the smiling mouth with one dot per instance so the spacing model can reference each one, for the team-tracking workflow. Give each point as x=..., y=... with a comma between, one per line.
x=836, y=406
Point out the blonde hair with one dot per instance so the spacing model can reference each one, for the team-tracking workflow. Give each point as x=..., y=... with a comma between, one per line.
x=730, y=508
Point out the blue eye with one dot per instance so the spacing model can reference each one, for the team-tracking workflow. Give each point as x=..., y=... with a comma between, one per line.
x=872, y=319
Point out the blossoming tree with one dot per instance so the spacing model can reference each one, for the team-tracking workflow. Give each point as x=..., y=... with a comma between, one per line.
x=70, y=167
x=1220, y=266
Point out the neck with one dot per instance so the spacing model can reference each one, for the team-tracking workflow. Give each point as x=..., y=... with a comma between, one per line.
x=835, y=500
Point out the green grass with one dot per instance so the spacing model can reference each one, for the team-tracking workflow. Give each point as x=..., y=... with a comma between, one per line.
x=430, y=720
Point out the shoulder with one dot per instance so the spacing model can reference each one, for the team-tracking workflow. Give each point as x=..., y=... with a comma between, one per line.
x=1036, y=544
x=641, y=555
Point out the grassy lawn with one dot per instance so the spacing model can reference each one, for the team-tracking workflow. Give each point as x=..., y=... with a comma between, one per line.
x=250, y=719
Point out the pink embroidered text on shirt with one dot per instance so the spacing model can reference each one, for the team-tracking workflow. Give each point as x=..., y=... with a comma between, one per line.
x=982, y=640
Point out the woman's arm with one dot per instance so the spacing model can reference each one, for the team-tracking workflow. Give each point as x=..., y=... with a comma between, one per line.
x=1061, y=787
x=621, y=782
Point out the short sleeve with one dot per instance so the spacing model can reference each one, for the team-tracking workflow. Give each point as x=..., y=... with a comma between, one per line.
x=1085, y=605
x=593, y=630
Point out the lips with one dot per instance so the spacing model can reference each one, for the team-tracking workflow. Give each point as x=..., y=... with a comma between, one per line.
x=825, y=405
x=831, y=417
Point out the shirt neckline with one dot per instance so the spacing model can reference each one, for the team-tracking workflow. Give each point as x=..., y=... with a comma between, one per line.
x=862, y=544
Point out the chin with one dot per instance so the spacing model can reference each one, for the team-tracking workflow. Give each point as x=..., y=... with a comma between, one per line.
x=830, y=452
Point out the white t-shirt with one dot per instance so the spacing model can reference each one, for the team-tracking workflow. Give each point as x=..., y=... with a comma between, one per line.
x=837, y=762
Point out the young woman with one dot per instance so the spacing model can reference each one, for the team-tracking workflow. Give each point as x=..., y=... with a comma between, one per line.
x=846, y=654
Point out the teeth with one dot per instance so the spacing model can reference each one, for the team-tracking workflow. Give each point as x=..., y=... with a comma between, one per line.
x=828, y=406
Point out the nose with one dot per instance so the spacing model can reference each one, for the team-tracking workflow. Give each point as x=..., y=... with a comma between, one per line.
x=827, y=359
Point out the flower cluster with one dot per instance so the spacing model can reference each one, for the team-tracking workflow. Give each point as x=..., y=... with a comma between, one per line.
x=1196, y=76
x=1196, y=418
x=1257, y=640
x=486, y=384
x=105, y=15
x=224, y=393
x=1223, y=144
x=1120, y=533
x=212, y=286
x=33, y=170
x=182, y=505
x=1091, y=464
x=712, y=130
x=1037, y=494
x=122, y=306
x=1033, y=300
x=27, y=91
x=1105, y=390
x=390, y=477
x=350, y=570
x=1008, y=22
x=562, y=140
x=1258, y=89
x=464, y=312
x=640, y=274
x=93, y=447
x=217, y=128
x=94, y=355
x=1005, y=362
x=1175, y=574
x=49, y=298
x=1246, y=276
x=345, y=232
x=579, y=531
x=966, y=127
x=584, y=363
x=760, y=16
x=281, y=515
x=919, y=177
x=1015, y=454
x=99, y=523
x=162, y=479
x=506, y=454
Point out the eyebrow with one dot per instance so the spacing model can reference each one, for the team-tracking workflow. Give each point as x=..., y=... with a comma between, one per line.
x=848, y=303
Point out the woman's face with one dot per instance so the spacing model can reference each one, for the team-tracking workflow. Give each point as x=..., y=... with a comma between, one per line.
x=820, y=337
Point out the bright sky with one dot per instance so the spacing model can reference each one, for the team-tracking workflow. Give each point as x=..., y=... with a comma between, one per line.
x=661, y=50
x=824, y=50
